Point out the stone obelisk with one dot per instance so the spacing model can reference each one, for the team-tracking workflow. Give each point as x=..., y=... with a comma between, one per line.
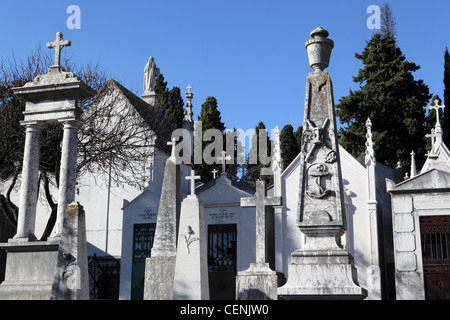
x=322, y=269
x=160, y=267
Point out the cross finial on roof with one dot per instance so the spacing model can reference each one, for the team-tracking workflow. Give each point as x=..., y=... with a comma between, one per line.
x=223, y=158
x=58, y=44
x=193, y=177
x=214, y=172
x=436, y=107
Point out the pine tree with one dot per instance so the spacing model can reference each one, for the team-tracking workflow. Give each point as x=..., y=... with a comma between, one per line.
x=446, y=120
x=210, y=118
x=393, y=100
x=289, y=145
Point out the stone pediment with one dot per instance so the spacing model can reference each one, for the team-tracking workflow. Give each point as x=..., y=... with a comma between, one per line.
x=432, y=180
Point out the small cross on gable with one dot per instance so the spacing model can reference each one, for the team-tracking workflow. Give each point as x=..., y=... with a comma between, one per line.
x=58, y=44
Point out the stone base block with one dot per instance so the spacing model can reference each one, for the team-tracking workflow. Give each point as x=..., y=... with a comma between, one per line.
x=159, y=278
x=30, y=268
x=258, y=282
x=321, y=274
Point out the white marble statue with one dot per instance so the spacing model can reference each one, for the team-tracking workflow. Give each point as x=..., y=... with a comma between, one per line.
x=150, y=74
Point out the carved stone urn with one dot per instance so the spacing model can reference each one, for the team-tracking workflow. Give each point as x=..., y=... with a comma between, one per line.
x=319, y=49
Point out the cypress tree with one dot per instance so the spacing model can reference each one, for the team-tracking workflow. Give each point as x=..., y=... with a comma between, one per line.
x=210, y=118
x=170, y=101
x=289, y=145
x=446, y=120
x=255, y=163
x=393, y=100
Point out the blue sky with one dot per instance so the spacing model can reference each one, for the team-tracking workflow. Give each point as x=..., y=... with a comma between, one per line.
x=248, y=54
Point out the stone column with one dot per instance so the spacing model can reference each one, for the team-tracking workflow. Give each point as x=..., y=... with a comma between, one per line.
x=68, y=171
x=29, y=187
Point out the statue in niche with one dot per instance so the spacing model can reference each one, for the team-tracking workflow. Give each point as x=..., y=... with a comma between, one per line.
x=150, y=74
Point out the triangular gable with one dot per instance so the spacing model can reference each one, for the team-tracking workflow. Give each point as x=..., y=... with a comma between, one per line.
x=225, y=191
x=147, y=198
x=440, y=162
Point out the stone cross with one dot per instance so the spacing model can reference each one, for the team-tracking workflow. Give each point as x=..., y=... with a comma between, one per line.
x=214, y=172
x=189, y=87
x=260, y=201
x=193, y=177
x=58, y=44
x=436, y=107
x=173, y=143
x=223, y=158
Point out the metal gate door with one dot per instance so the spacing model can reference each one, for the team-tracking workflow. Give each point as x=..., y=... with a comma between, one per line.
x=222, y=261
x=435, y=238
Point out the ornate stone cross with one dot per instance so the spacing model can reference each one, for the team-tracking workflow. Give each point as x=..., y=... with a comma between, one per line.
x=223, y=158
x=193, y=177
x=436, y=107
x=58, y=44
x=260, y=201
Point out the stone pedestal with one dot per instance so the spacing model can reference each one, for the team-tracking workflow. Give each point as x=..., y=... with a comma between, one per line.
x=258, y=282
x=150, y=97
x=30, y=268
x=191, y=271
x=322, y=274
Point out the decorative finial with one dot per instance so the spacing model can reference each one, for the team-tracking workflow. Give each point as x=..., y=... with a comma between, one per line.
x=188, y=114
x=370, y=153
x=319, y=49
x=413, y=164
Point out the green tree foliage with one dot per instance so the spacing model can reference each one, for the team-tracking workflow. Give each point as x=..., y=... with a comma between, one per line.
x=393, y=100
x=446, y=120
x=257, y=160
x=170, y=100
x=289, y=145
x=210, y=118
